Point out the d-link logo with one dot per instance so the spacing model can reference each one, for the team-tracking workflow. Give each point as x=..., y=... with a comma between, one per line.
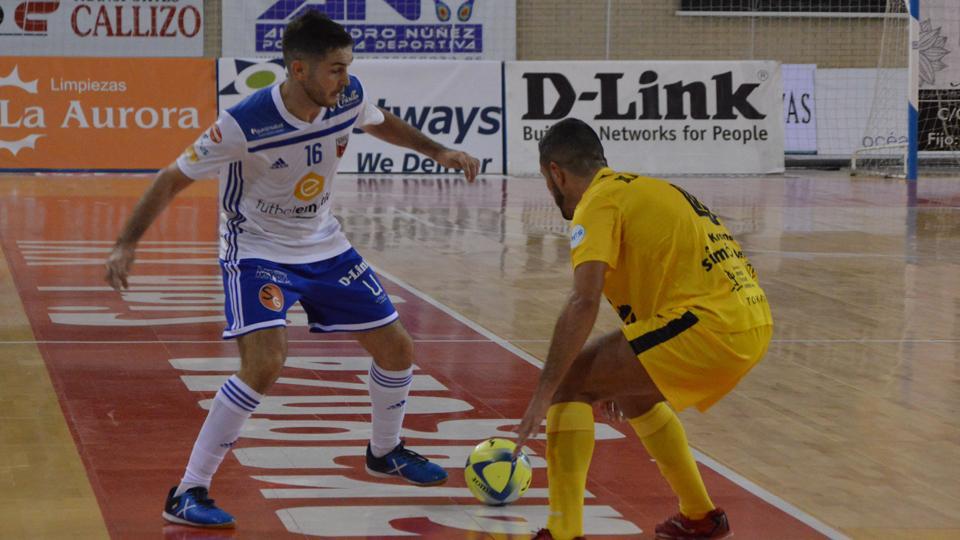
x=729, y=100
x=32, y=116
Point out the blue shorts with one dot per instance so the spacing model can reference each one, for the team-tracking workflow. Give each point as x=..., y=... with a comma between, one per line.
x=339, y=294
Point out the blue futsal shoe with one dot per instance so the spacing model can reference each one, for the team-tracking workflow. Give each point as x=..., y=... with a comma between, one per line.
x=194, y=508
x=406, y=464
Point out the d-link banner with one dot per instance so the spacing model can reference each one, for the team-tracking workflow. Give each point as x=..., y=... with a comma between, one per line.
x=101, y=28
x=449, y=29
x=101, y=113
x=455, y=103
x=653, y=117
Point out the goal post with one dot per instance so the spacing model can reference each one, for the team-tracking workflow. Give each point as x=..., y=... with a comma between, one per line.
x=917, y=87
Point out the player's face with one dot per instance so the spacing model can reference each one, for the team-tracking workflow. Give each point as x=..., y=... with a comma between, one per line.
x=327, y=77
x=556, y=192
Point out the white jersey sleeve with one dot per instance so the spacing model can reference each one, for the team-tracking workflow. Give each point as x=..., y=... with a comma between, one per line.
x=370, y=114
x=220, y=144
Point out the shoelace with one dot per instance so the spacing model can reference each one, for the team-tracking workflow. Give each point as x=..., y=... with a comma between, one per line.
x=410, y=453
x=200, y=496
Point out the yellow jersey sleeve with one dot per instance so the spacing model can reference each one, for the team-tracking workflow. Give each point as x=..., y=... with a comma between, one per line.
x=595, y=232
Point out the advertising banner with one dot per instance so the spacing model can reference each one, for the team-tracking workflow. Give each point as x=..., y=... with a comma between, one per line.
x=939, y=49
x=455, y=29
x=114, y=28
x=653, y=117
x=799, y=109
x=101, y=113
x=845, y=120
x=458, y=104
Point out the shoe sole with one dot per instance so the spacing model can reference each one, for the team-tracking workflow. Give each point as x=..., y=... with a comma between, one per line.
x=379, y=474
x=174, y=519
x=725, y=537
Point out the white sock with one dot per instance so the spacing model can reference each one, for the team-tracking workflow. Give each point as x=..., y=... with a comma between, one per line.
x=388, y=395
x=233, y=404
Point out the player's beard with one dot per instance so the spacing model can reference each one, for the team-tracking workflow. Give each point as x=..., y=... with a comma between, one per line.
x=321, y=98
x=559, y=199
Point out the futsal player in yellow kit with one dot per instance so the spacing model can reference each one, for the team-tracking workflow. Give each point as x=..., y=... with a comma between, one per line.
x=695, y=321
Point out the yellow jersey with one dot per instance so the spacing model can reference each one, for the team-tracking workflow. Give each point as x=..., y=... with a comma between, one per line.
x=666, y=253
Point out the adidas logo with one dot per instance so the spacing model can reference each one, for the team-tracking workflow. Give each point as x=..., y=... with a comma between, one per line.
x=279, y=164
x=229, y=444
x=397, y=405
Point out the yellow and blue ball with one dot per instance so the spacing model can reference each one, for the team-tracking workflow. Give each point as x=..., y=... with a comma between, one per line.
x=492, y=474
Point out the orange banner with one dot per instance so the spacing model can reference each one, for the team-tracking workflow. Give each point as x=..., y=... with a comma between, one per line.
x=67, y=114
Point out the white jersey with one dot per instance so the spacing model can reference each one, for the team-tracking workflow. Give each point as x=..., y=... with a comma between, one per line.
x=276, y=175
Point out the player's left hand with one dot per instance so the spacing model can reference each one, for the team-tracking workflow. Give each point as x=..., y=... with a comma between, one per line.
x=530, y=425
x=455, y=159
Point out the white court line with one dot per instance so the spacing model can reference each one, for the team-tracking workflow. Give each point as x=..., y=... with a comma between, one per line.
x=779, y=503
x=856, y=340
x=199, y=341
x=175, y=341
x=729, y=474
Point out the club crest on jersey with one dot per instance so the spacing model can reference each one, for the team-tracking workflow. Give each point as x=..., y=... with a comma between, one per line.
x=342, y=144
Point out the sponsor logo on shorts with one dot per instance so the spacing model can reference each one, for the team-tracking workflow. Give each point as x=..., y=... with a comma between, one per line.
x=271, y=297
x=276, y=276
x=354, y=274
x=309, y=187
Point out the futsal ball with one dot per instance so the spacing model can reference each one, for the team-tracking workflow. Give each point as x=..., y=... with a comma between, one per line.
x=492, y=474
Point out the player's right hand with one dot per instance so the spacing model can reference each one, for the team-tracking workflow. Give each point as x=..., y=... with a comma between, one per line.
x=118, y=266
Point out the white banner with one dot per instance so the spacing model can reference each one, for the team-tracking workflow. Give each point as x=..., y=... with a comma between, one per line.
x=939, y=60
x=653, y=117
x=458, y=104
x=844, y=100
x=939, y=45
x=799, y=110
x=114, y=28
x=455, y=29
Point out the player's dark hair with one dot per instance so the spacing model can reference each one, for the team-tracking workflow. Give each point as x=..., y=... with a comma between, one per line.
x=572, y=144
x=313, y=34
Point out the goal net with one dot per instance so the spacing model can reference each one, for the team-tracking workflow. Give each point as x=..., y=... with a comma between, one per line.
x=914, y=122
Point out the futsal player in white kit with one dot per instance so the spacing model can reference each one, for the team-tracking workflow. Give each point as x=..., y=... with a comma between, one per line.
x=276, y=154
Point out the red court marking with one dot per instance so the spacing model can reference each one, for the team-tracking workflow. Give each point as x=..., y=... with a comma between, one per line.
x=134, y=419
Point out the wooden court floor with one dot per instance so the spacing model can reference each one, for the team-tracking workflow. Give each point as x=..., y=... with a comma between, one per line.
x=848, y=428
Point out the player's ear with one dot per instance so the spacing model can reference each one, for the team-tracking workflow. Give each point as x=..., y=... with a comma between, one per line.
x=298, y=69
x=557, y=174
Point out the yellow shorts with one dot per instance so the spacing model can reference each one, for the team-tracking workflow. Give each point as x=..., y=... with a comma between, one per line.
x=691, y=364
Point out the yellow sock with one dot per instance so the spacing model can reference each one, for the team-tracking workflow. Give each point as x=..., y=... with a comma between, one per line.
x=569, y=450
x=662, y=435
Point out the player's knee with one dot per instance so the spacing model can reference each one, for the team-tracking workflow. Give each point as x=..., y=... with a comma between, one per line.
x=261, y=373
x=570, y=391
x=396, y=354
x=636, y=406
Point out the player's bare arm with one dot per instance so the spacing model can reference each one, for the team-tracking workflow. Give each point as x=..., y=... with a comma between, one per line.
x=569, y=335
x=395, y=131
x=165, y=187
